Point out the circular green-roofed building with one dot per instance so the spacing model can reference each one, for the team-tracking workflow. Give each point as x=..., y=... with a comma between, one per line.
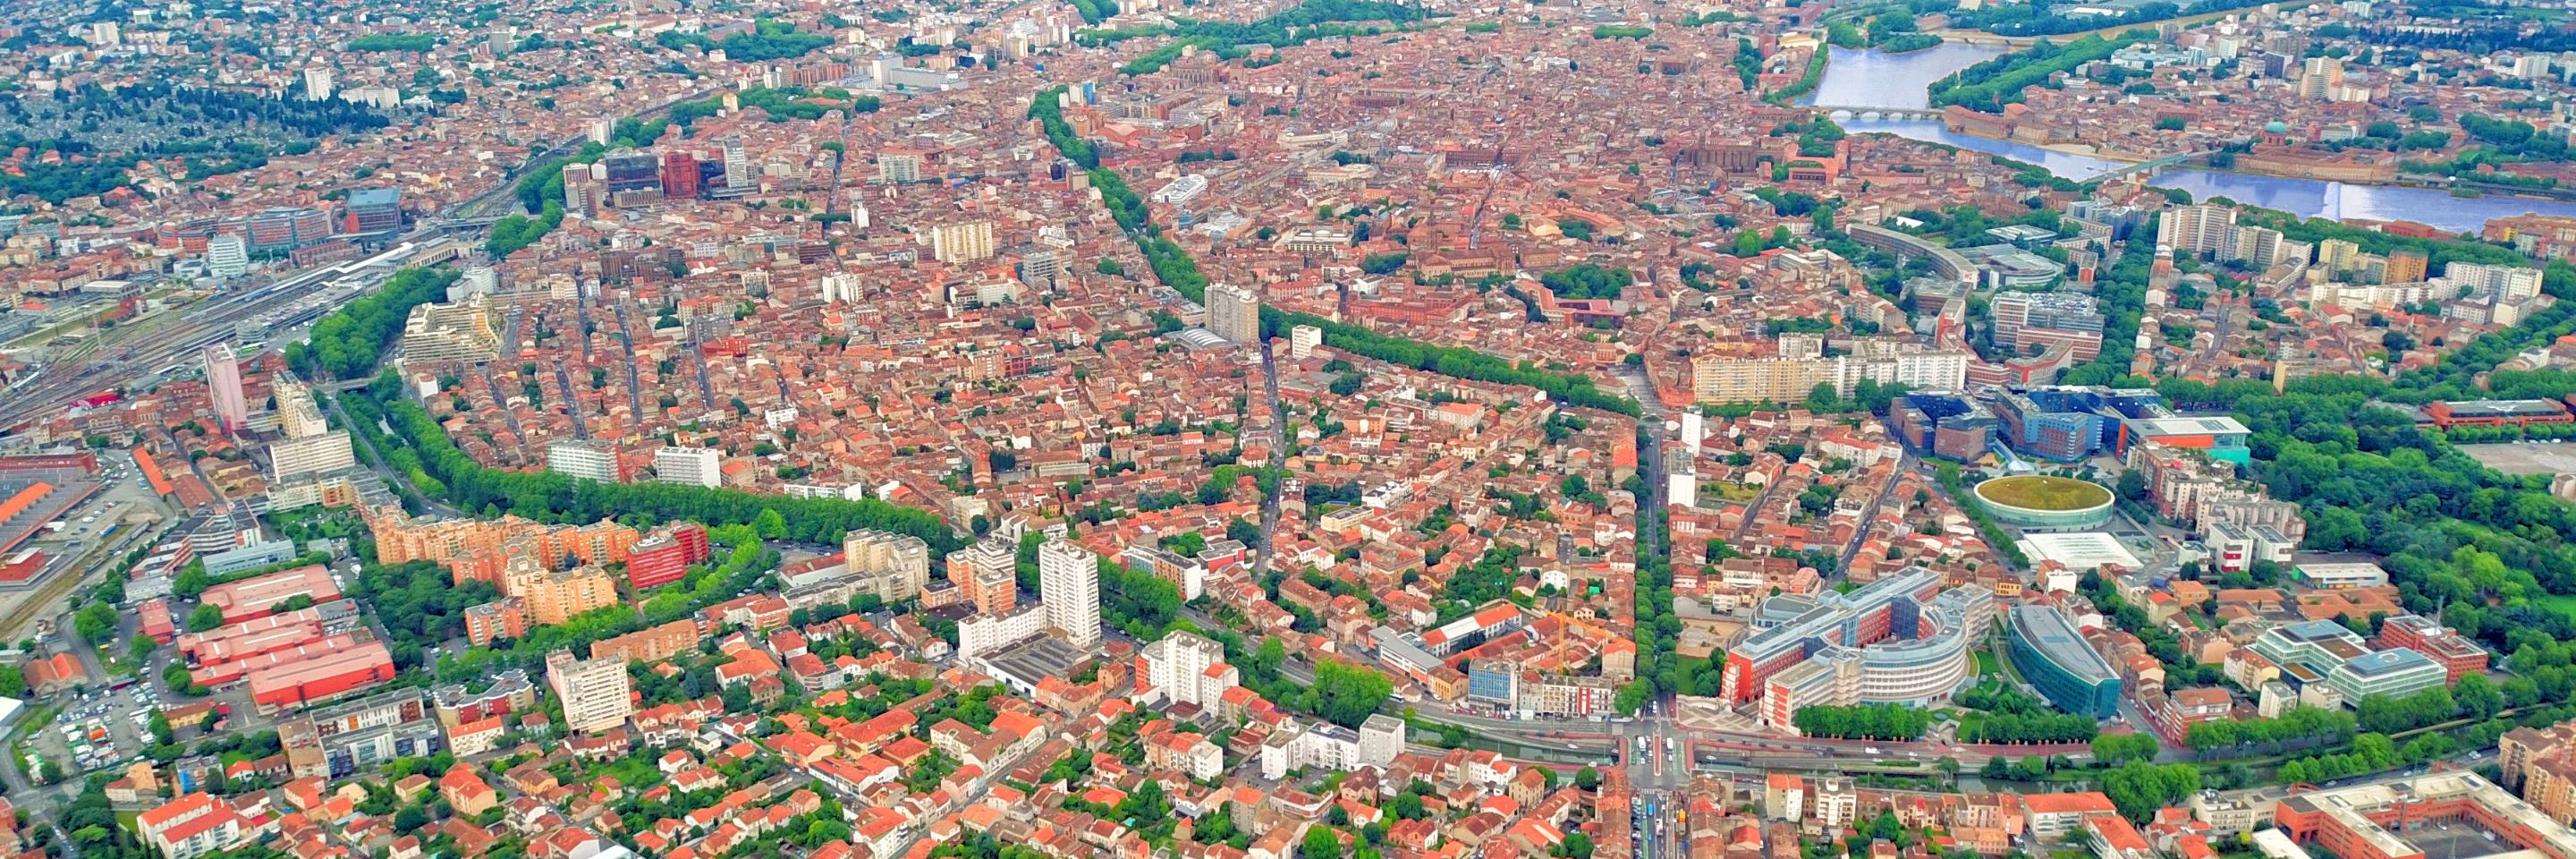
x=2039, y=501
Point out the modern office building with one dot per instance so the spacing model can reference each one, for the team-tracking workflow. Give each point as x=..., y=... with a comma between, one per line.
x=2321, y=644
x=1069, y=584
x=2325, y=653
x=227, y=256
x=2066, y=424
x=631, y=170
x=737, y=166
x=1945, y=424
x=680, y=177
x=373, y=210
x=2395, y=673
x=1494, y=681
x=1898, y=639
x=1925, y=660
x=2054, y=659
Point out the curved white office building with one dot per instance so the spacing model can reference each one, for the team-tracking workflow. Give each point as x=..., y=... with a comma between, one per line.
x=1900, y=640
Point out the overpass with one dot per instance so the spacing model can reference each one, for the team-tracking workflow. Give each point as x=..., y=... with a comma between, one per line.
x=1981, y=37
x=476, y=223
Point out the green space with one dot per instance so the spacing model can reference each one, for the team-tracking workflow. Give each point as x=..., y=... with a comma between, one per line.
x=1812, y=77
x=413, y=42
x=769, y=40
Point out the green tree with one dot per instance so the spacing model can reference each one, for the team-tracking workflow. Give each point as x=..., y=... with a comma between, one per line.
x=1346, y=694
x=204, y=617
x=96, y=623
x=2477, y=696
x=1321, y=843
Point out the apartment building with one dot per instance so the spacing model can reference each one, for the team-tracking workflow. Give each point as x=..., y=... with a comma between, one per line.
x=595, y=693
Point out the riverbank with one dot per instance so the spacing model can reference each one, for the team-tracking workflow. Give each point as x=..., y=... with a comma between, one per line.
x=1807, y=83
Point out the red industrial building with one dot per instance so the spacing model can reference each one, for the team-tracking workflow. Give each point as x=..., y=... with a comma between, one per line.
x=21, y=566
x=335, y=672
x=2497, y=413
x=156, y=621
x=53, y=467
x=258, y=597
x=664, y=556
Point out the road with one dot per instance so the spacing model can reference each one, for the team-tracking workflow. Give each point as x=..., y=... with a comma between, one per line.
x=634, y=376
x=1662, y=766
x=1278, y=452
x=509, y=346
x=1869, y=515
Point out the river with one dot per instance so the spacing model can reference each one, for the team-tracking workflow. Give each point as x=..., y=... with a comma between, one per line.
x=1866, y=78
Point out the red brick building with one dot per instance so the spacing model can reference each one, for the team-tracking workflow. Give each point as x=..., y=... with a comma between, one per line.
x=2429, y=637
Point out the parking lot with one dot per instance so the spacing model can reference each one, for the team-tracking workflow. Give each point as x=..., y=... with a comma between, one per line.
x=2519, y=458
x=2454, y=839
x=97, y=730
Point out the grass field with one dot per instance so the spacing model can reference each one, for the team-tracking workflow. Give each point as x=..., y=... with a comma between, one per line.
x=2561, y=603
x=1729, y=491
x=2041, y=492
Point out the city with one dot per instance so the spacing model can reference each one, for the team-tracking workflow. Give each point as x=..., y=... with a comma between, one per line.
x=1288, y=429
